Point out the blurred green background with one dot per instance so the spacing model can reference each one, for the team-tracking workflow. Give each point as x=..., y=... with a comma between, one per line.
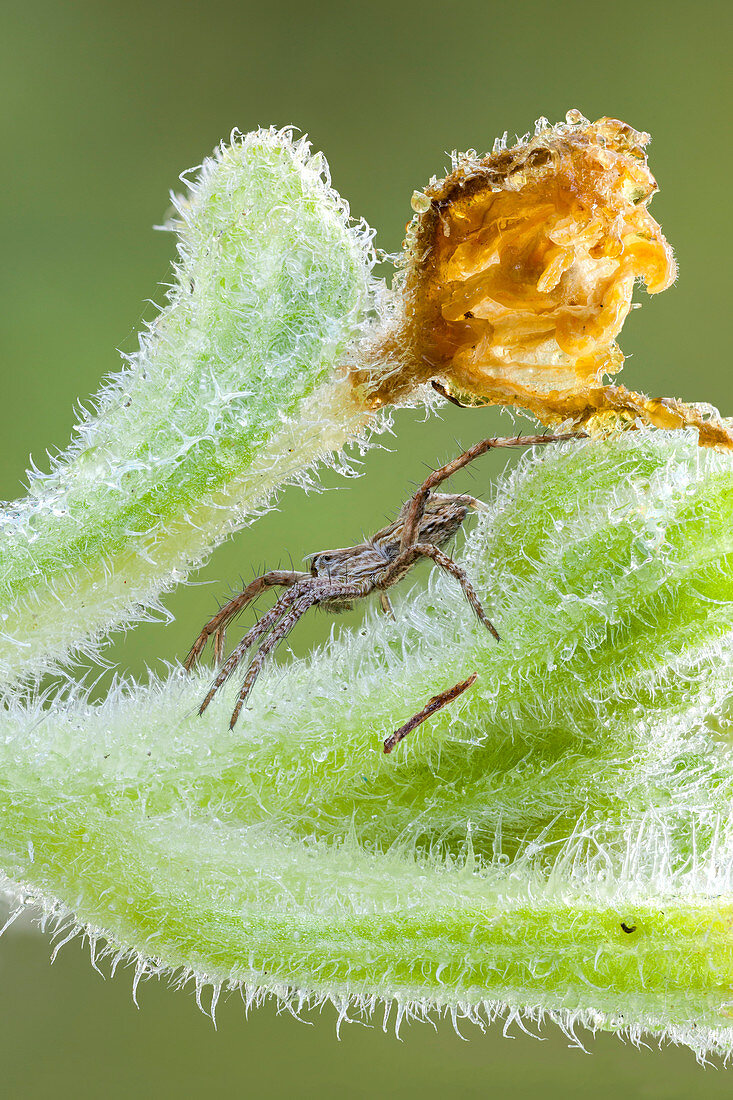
x=104, y=104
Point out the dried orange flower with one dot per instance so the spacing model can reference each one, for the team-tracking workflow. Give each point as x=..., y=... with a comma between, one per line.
x=518, y=274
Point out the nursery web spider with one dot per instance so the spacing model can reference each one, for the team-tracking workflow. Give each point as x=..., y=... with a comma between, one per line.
x=339, y=577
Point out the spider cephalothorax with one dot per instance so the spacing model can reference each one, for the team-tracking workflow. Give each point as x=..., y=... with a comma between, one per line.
x=366, y=562
x=339, y=577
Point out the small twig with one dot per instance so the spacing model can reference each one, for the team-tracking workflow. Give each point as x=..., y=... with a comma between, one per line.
x=435, y=704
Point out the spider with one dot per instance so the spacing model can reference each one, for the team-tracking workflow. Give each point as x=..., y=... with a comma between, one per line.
x=339, y=577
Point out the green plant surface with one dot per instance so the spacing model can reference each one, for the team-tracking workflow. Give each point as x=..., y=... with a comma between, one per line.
x=557, y=842
x=234, y=391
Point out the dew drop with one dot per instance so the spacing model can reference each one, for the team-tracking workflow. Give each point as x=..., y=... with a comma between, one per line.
x=420, y=202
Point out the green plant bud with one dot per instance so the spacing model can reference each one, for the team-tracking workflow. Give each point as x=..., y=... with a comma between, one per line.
x=234, y=391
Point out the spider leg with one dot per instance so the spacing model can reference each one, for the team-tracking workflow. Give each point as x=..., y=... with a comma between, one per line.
x=319, y=593
x=387, y=605
x=426, y=549
x=219, y=642
x=277, y=634
x=416, y=508
x=436, y=703
x=261, y=627
x=218, y=624
x=403, y=561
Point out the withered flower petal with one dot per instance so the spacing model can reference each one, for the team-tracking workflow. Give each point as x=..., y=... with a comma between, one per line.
x=517, y=276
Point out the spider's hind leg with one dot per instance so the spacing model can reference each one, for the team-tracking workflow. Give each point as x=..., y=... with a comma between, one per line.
x=277, y=634
x=218, y=623
x=261, y=627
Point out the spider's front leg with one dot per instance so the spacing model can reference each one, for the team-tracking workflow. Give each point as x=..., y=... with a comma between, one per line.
x=406, y=558
x=416, y=508
x=415, y=543
x=425, y=549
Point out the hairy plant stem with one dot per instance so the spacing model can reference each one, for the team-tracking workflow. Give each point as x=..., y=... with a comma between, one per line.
x=234, y=391
x=557, y=841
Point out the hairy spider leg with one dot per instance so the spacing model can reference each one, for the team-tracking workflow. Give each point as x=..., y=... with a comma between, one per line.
x=386, y=605
x=426, y=549
x=261, y=627
x=416, y=507
x=276, y=635
x=279, y=621
x=405, y=559
x=218, y=624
